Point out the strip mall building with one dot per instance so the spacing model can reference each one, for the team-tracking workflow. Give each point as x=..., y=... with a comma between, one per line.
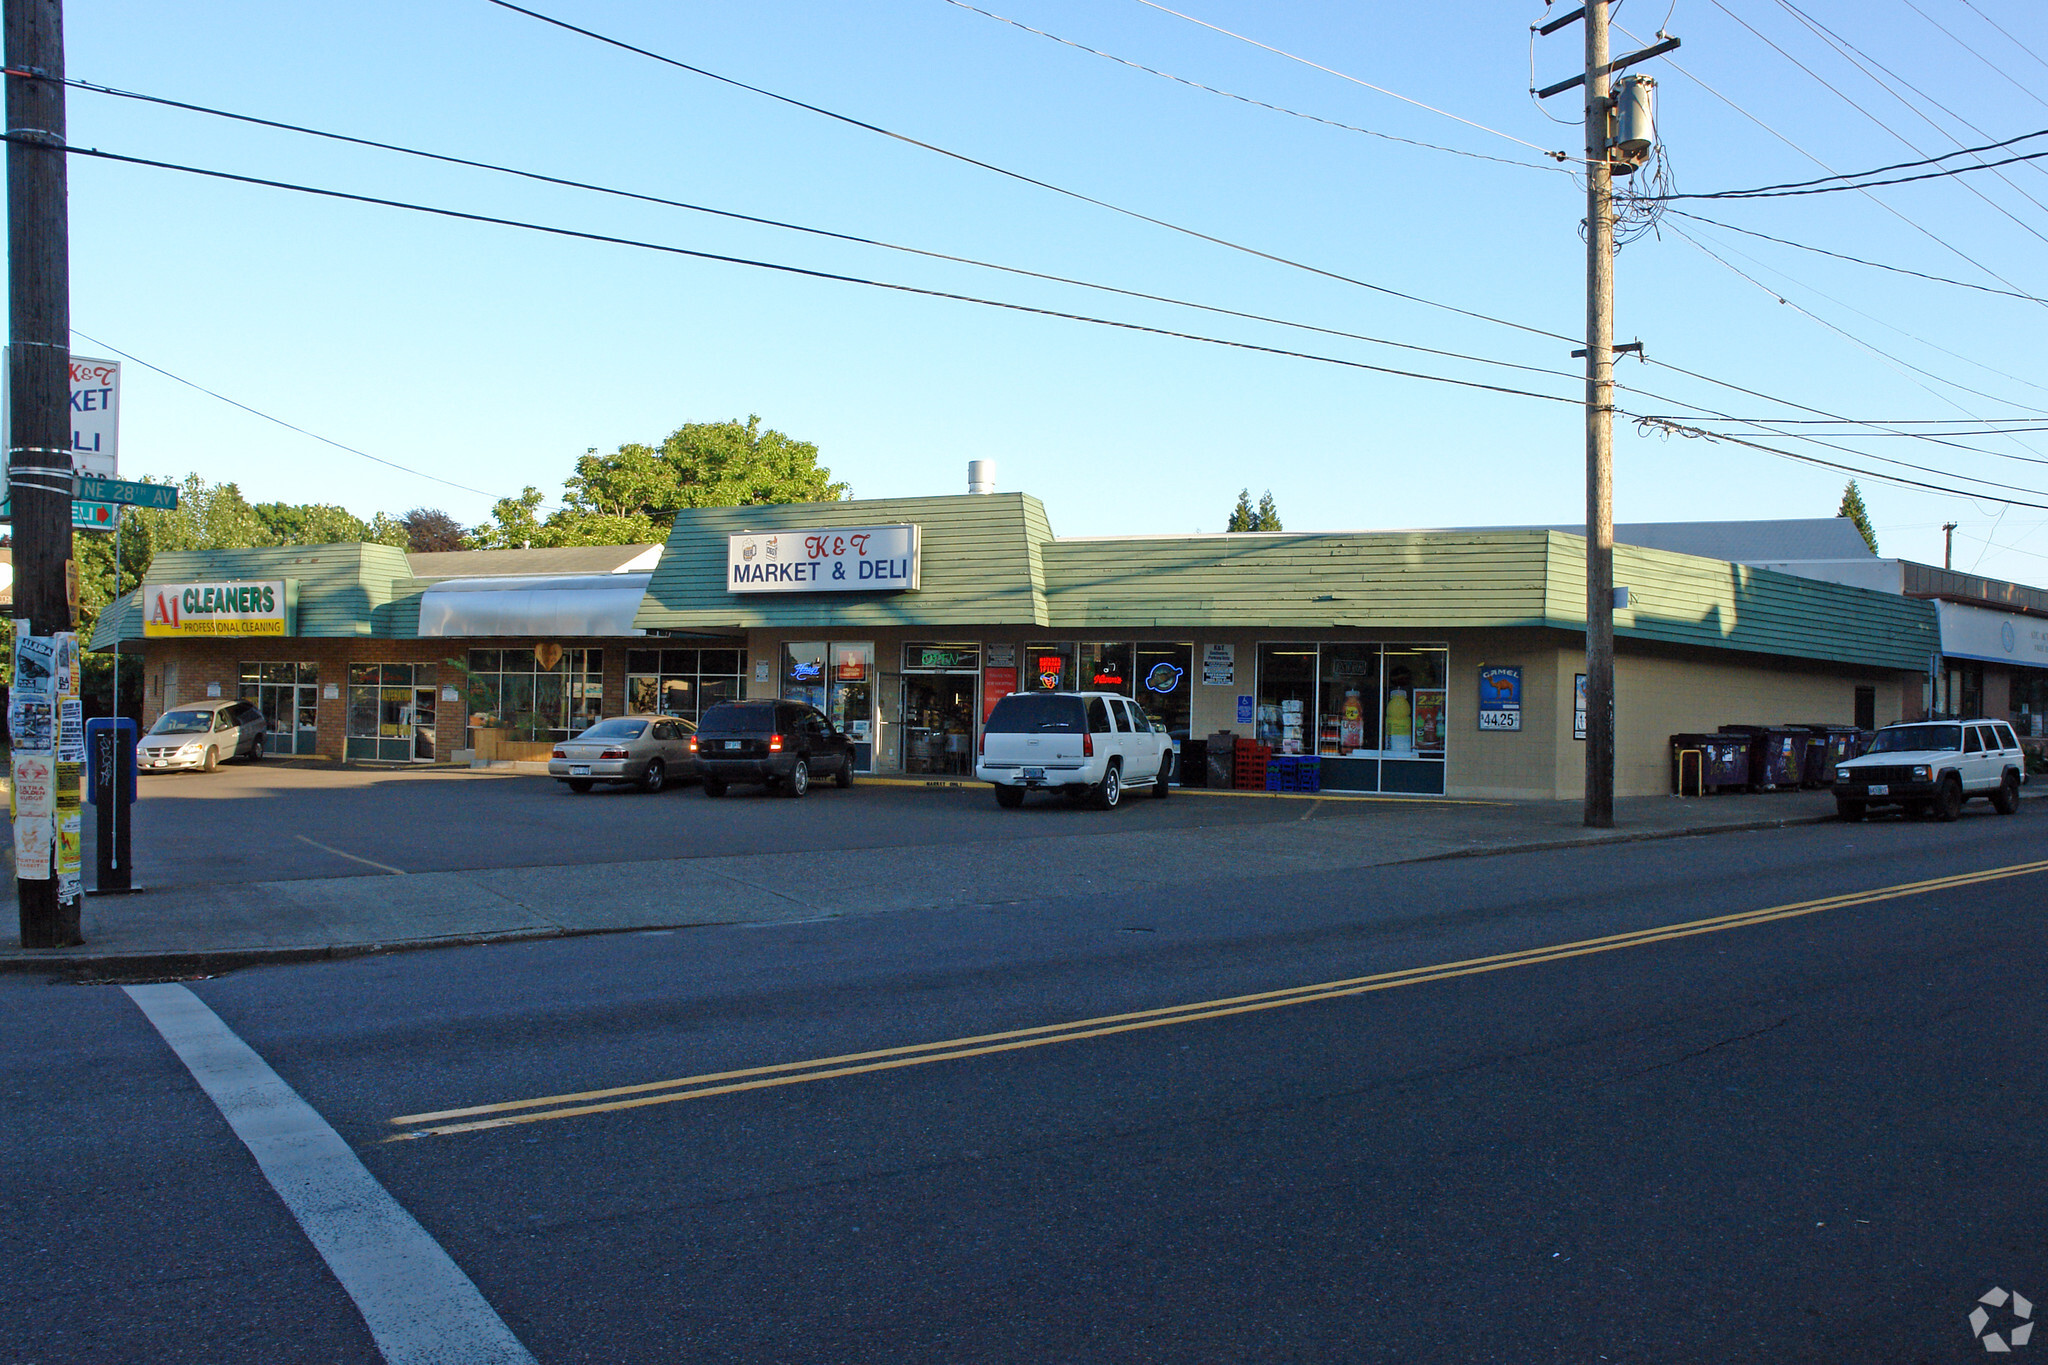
x=1417, y=662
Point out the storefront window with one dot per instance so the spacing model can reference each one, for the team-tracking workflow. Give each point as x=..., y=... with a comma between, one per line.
x=542, y=693
x=1105, y=668
x=1287, y=697
x=682, y=682
x=940, y=684
x=1414, y=706
x=288, y=695
x=1349, y=725
x=852, y=694
x=804, y=666
x=391, y=712
x=1048, y=668
x=1166, y=686
x=2030, y=701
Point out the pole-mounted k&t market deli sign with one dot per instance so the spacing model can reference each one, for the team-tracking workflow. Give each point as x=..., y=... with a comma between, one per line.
x=836, y=559
x=231, y=608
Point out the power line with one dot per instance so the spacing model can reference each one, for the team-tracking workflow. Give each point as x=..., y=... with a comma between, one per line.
x=2003, y=74
x=289, y=426
x=1910, y=336
x=1244, y=99
x=1854, y=260
x=1333, y=71
x=1897, y=166
x=800, y=271
x=1901, y=137
x=1026, y=179
x=801, y=228
x=1761, y=193
x=1924, y=231
x=2015, y=42
x=1680, y=429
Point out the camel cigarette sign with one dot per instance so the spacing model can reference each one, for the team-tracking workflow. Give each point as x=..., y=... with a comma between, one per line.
x=173, y=610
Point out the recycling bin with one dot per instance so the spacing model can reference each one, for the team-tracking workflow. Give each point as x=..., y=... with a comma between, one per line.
x=1722, y=762
x=1777, y=755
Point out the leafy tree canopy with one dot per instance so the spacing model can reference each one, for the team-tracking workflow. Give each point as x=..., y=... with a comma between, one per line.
x=429, y=529
x=631, y=496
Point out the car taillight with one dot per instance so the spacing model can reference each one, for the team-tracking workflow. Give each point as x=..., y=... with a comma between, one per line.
x=561, y=753
x=775, y=744
x=693, y=744
x=1087, y=745
x=613, y=753
x=982, y=748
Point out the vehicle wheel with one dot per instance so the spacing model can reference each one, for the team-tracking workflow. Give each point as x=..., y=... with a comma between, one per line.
x=1163, y=788
x=211, y=761
x=1009, y=798
x=579, y=785
x=714, y=786
x=2006, y=800
x=799, y=780
x=1948, y=798
x=1110, y=789
x=1847, y=809
x=845, y=777
x=656, y=776
x=256, y=753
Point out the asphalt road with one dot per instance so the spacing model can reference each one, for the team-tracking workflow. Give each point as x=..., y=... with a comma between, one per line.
x=264, y=822
x=1809, y=1135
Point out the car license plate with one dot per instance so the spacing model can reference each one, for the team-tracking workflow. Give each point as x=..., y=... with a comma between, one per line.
x=734, y=743
x=1880, y=789
x=1034, y=774
x=579, y=770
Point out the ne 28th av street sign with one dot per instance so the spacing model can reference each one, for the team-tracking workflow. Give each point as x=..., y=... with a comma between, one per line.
x=162, y=497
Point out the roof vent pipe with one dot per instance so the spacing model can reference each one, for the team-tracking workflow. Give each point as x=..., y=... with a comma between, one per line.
x=981, y=476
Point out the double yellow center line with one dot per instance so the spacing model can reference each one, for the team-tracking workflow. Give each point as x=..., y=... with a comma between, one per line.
x=477, y=1118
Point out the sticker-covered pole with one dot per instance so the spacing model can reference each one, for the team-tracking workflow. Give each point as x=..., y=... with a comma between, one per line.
x=39, y=389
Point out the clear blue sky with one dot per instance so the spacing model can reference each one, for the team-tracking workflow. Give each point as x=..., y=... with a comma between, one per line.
x=492, y=357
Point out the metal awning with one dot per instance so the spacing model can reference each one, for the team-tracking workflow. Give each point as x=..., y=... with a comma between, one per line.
x=574, y=604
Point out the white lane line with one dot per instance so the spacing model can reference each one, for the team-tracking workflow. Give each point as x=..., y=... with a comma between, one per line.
x=419, y=1306
x=372, y=862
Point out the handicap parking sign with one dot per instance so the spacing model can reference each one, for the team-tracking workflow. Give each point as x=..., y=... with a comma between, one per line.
x=1244, y=710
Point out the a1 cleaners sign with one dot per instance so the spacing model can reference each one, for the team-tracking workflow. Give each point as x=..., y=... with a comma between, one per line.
x=234, y=608
x=836, y=559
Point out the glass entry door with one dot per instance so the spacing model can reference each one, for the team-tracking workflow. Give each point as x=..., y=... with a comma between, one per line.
x=288, y=695
x=938, y=723
x=423, y=724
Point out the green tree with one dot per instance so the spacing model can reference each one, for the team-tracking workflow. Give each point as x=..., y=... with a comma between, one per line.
x=325, y=524
x=1245, y=517
x=631, y=496
x=1852, y=507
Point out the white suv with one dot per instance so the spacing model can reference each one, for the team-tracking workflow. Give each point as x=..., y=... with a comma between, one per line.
x=1082, y=743
x=1934, y=765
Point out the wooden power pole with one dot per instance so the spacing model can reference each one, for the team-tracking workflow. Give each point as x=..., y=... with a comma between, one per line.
x=39, y=372
x=1599, y=808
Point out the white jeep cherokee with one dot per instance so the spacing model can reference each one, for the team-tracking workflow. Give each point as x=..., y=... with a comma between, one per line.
x=1934, y=765
x=1081, y=743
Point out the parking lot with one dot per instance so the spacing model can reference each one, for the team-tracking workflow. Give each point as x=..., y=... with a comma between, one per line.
x=275, y=821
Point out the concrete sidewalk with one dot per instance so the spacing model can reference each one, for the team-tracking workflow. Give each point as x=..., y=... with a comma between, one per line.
x=202, y=928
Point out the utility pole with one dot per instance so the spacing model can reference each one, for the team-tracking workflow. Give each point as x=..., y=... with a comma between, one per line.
x=1599, y=805
x=39, y=373
x=1948, y=544
x=1602, y=157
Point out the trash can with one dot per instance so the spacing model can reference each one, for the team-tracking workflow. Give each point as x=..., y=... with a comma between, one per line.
x=1722, y=763
x=1777, y=755
x=1223, y=759
x=1826, y=746
x=1191, y=769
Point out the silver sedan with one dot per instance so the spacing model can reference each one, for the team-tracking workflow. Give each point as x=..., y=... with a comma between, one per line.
x=648, y=751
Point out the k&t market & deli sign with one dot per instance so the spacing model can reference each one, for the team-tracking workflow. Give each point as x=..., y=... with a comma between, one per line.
x=231, y=608
x=834, y=559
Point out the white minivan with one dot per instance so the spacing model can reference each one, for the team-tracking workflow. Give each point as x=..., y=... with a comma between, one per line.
x=1082, y=743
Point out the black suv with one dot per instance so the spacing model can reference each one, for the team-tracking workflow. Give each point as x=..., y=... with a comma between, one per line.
x=782, y=744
